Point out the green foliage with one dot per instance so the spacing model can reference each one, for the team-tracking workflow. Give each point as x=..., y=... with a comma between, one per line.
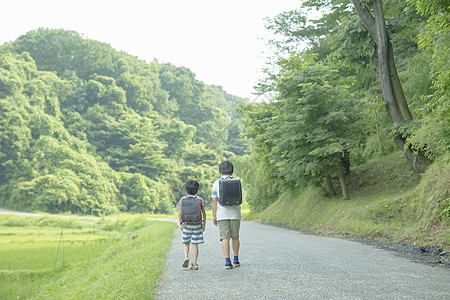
x=53, y=177
x=434, y=134
x=261, y=189
x=141, y=193
x=196, y=105
x=259, y=170
x=313, y=118
x=144, y=93
x=416, y=80
x=87, y=129
x=62, y=51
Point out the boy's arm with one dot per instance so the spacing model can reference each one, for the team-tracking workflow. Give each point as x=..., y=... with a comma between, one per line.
x=214, y=209
x=179, y=219
x=204, y=218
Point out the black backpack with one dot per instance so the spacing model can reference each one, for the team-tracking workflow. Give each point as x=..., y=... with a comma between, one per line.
x=191, y=209
x=230, y=191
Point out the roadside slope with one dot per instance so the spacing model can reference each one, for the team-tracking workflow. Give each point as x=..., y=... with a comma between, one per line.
x=388, y=203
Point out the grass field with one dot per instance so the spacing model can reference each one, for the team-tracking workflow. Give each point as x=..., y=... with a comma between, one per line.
x=56, y=258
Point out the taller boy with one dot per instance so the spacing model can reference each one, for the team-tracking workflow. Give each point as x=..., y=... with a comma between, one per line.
x=228, y=218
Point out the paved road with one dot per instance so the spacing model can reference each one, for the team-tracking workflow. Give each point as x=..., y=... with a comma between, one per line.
x=279, y=263
x=4, y=211
x=12, y=212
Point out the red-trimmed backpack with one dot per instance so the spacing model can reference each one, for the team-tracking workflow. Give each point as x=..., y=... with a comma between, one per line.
x=191, y=209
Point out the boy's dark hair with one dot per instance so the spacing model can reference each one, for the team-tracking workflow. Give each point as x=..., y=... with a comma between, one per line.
x=226, y=167
x=191, y=186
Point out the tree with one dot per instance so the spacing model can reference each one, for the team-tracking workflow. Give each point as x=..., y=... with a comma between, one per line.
x=394, y=97
x=314, y=122
x=336, y=35
x=317, y=117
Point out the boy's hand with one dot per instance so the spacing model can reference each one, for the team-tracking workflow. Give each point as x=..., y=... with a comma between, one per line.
x=181, y=227
x=215, y=221
x=203, y=225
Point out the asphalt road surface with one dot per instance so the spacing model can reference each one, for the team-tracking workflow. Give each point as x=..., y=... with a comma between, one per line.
x=278, y=263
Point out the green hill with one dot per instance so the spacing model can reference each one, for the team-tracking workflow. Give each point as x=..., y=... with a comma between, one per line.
x=87, y=129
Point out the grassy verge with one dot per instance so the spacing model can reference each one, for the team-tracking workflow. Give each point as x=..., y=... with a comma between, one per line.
x=56, y=258
x=388, y=203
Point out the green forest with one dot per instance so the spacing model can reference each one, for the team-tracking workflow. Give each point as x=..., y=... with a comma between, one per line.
x=87, y=129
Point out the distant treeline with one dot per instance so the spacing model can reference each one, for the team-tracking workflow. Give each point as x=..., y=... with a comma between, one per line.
x=87, y=129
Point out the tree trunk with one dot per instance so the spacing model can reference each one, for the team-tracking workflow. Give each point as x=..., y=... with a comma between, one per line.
x=393, y=95
x=341, y=175
x=346, y=161
x=385, y=64
x=380, y=141
x=418, y=163
x=399, y=95
x=329, y=185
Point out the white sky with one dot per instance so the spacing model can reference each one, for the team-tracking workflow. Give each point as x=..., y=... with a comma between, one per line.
x=218, y=40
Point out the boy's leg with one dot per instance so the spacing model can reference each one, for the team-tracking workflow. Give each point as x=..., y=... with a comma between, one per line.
x=226, y=253
x=197, y=238
x=187, y=235
x=225, y=235
x=235, y=226
x=186, y=250
x=186, y=255
x=236, y=245
x=234, y=230
x=195, y=253
x=226, y=247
